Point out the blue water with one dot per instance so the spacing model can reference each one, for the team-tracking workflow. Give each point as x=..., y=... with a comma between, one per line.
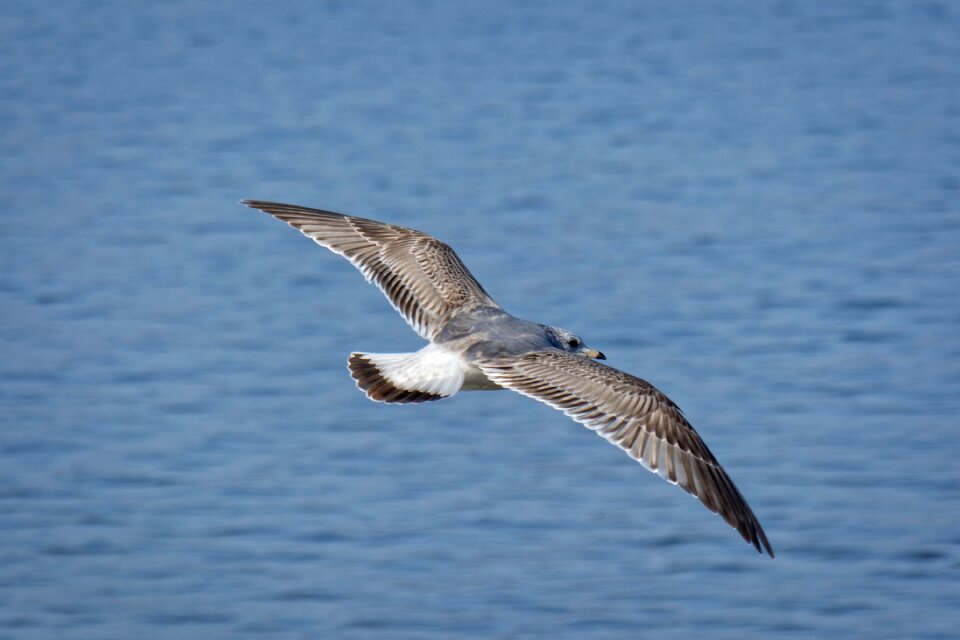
x=755, y=206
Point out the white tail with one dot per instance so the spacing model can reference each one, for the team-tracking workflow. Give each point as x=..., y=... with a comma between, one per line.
x=429, y=374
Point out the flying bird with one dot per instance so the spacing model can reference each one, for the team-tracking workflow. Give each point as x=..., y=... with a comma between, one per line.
x=475, y=344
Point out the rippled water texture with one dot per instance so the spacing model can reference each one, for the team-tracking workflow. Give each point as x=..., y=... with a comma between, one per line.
x=752, y=205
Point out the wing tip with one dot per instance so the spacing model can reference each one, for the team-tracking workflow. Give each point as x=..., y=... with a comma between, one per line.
x=270, y=208
x=265, y=205
x=747, y=525
x=760, y=542
x=298, y=216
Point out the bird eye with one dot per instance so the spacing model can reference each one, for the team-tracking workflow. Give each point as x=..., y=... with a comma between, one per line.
x=573, y=342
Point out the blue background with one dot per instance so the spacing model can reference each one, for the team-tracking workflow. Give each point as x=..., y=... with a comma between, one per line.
x=755, y=206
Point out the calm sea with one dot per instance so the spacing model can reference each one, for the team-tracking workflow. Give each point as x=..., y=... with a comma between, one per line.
x=755, y=206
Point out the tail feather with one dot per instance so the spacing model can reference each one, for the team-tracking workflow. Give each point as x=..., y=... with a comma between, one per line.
x=406, y=377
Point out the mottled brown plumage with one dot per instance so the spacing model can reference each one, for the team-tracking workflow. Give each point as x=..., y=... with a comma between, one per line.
x=632, y=414
x=422, y=277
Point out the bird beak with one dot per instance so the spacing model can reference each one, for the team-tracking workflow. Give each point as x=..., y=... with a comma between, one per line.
x=593, y=353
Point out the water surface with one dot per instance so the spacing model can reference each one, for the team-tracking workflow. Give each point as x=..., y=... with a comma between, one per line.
x=755, y=207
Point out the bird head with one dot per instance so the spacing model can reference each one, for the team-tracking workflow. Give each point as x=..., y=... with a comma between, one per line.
x=572, y=343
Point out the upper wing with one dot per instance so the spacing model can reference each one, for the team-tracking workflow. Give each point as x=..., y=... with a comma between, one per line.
x=635, y=416
x=422, y=277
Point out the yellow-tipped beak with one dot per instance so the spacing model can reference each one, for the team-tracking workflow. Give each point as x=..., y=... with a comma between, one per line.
x=593, y=353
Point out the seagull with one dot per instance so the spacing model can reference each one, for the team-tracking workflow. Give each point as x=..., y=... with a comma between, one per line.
x=475, y=345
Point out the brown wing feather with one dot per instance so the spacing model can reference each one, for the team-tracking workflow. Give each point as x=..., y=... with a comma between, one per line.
x=638, y=418
x=422, y=277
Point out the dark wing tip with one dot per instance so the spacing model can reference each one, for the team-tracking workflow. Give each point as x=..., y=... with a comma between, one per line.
x=272, y=208
x=738, y=514
x=760, y=538
x=269, y=207
x=750, y=530
x=296, y=215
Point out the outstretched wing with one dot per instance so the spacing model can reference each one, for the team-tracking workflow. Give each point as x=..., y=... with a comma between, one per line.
x=422, y=277
x=635, y=416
